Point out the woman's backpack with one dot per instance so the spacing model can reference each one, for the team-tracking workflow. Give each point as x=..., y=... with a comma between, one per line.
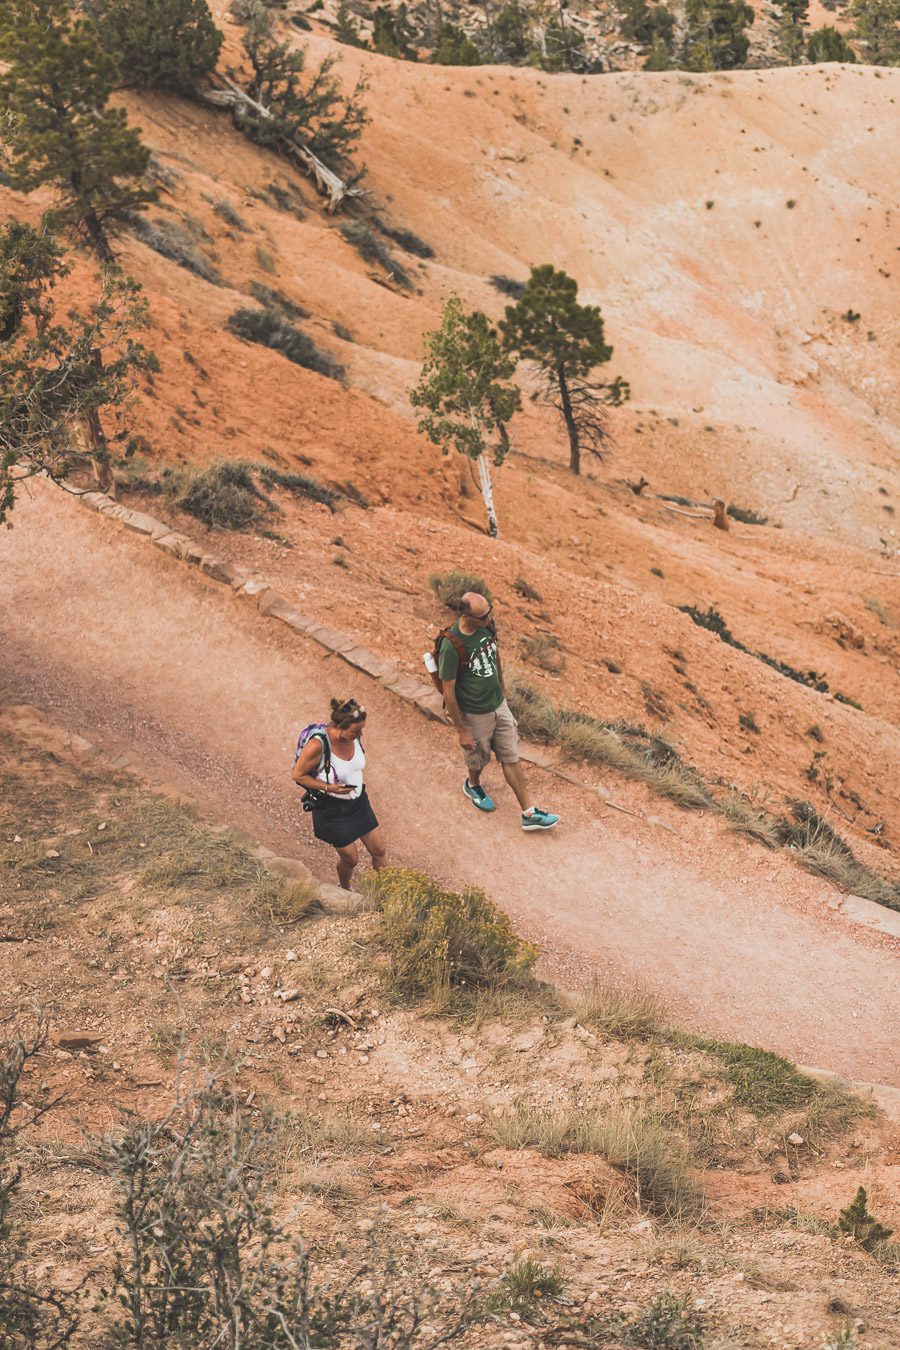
x=312, y=800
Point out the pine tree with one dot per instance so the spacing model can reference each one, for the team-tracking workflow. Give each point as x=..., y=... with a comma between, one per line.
x=59, y=372
x=794, y=14
x=465, y=391
x=827, y=44
x=860, y=1224
x=392, y=33
x=878, y=29
x=455, y=48
x=346, y=28
x=160, y=44
x=659, y=56
x=562, y=45
x=565, y=340
x=309, y=107
x=58, y=128
x=508, y=38
x=715, y=37
x=646, y=25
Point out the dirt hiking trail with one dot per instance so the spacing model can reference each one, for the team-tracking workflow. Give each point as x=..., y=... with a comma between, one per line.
x=139, y=653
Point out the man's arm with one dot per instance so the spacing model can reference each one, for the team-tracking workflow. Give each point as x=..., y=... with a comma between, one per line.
x=466, y=739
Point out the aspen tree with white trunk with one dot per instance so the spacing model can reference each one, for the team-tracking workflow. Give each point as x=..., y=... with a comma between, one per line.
x=466, y=395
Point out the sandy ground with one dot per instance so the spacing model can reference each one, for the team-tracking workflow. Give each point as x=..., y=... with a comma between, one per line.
x=132, y=649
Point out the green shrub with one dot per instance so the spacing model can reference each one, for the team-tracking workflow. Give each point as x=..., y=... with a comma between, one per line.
x=224, y=496
x=746, y=517
x=175, y=243
x=526, y=590
x=159, y=44
x=711, y=620
x=820, y=849
x=200, y=1259
x=302, y=485
x=523, y=1286
x=406, y=239
x=542, y=649
x=225, y=211
x=442, y=945
x=371, y=249
x=271, y=328
x=537, y=718
x=271, y=298
x=762, y=1081
x=669, y=1323
x=452, y=586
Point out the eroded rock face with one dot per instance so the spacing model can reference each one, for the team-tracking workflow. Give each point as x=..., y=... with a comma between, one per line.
x=843, y=630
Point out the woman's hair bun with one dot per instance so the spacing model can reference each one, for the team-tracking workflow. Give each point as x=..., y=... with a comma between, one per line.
x=347, y=712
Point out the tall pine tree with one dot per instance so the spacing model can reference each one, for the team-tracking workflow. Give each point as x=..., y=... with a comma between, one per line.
x=565, y=340
x=59, y=129
x=159, y=44
x=878, y=29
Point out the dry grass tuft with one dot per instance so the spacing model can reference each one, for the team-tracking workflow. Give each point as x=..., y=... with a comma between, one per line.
x=619, y=1011
x=745, y=818
x=285, y=902
x=658, y=1162
x=821, y=850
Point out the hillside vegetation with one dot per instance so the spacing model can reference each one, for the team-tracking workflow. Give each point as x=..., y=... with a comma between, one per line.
x=523, y=1168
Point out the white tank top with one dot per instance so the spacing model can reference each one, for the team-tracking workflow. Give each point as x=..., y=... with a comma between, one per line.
x=349, y=771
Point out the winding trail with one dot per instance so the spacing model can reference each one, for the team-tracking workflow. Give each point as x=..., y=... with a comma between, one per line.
x=139, y=653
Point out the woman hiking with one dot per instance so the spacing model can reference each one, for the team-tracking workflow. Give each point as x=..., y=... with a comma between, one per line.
x=330, y=766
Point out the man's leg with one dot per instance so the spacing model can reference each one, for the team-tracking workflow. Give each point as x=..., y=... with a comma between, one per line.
x=481, y=728
x=347, y=858
x=505, y=744
x=515, y=776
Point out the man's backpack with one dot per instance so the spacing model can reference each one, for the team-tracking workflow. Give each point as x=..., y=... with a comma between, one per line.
x=461, y=652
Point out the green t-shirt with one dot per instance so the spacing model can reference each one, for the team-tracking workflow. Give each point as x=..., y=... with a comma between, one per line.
x=478, y=688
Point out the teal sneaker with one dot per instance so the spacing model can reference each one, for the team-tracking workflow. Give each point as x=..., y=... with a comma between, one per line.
x=539, y=820
x=478, y=797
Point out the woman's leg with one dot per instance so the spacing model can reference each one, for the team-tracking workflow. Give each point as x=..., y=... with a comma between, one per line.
x=374, y=842
x=347, y=858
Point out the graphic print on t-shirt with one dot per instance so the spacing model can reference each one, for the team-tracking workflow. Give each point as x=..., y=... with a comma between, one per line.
x=484, y=662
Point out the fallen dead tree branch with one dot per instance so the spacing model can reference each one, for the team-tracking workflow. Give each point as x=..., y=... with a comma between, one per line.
x=327, y=182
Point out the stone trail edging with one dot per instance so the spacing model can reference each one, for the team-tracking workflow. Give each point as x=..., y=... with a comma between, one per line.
x=251, y=586
x=336, y=901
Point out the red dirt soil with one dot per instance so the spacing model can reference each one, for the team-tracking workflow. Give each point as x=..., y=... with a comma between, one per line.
x=127, y=646
x=727, y=225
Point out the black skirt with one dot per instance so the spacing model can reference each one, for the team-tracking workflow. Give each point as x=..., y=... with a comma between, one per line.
x=342, y=823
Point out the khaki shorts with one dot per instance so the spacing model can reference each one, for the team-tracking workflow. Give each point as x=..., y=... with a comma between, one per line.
x=494, y=731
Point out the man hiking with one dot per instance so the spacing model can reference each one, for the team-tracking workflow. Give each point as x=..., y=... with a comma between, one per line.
x=473, y=694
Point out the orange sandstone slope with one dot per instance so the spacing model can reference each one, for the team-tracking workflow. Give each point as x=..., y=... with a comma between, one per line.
x=726, y=224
